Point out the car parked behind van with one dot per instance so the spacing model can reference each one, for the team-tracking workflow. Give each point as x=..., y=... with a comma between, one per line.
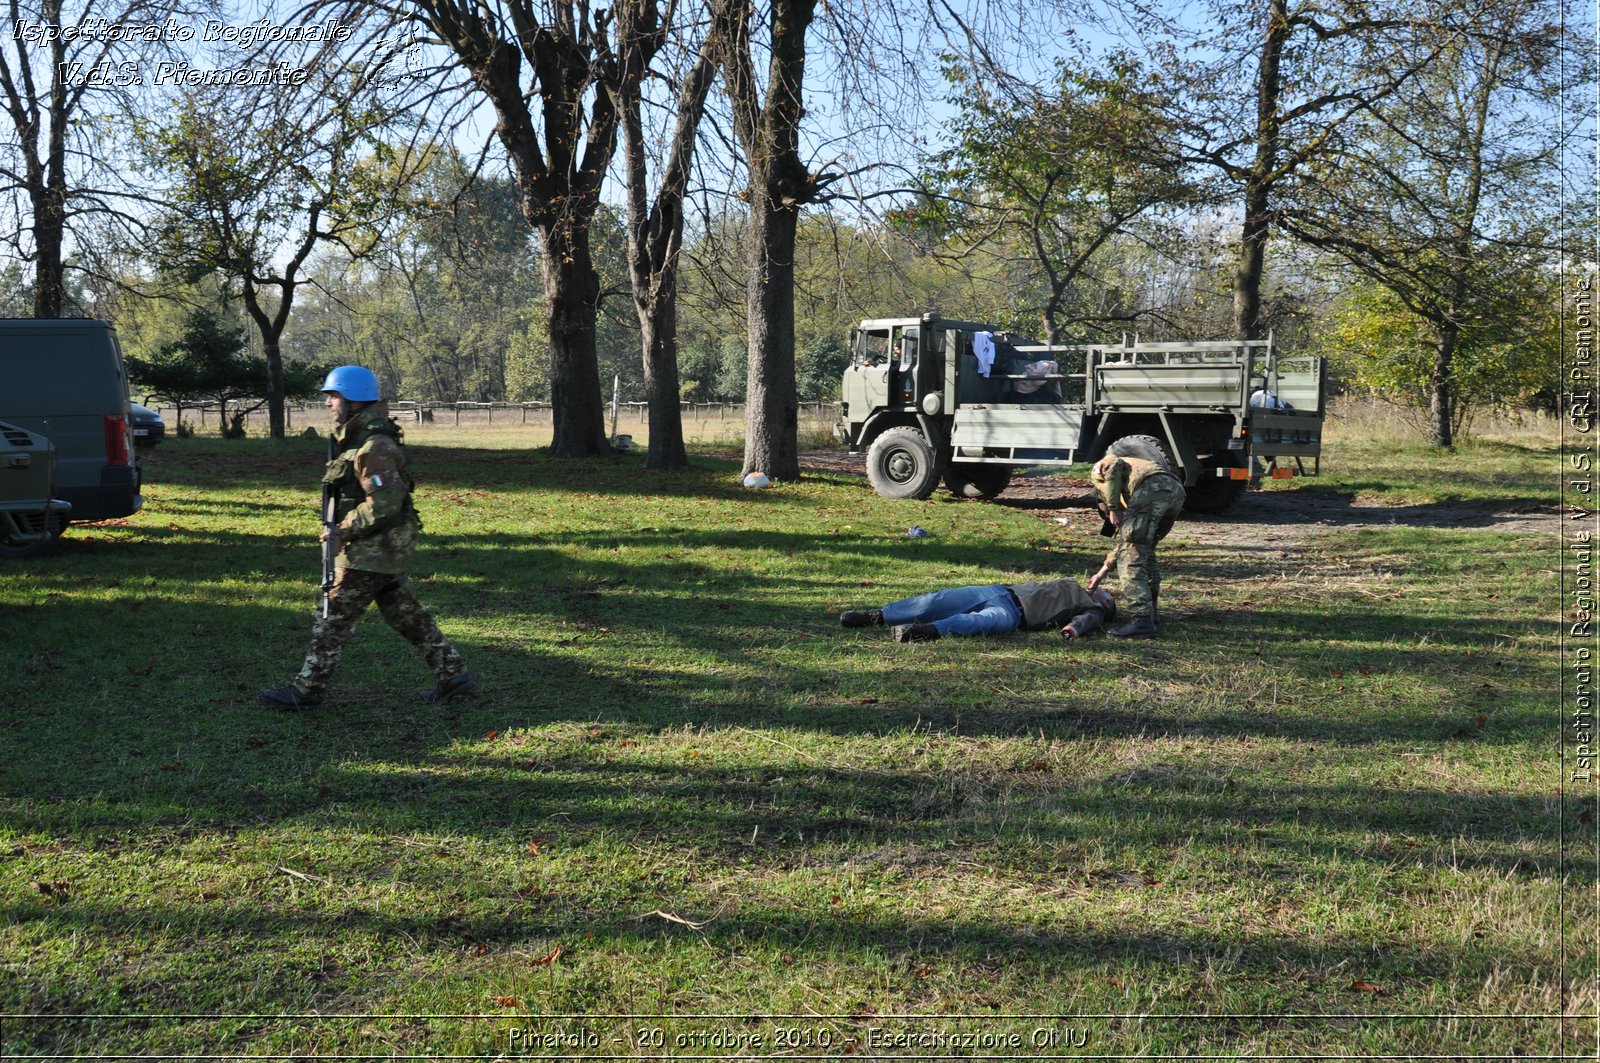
x=148, y=428
x=65, y=380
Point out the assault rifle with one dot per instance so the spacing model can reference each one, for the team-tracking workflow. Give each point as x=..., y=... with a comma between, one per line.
x=330, y=521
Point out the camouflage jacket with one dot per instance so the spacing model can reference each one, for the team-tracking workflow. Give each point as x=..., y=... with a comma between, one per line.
x=1117, y=478
x=377, y=524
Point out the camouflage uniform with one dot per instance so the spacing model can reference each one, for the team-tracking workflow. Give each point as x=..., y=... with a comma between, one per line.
x=377, y=529
x=1149, y=497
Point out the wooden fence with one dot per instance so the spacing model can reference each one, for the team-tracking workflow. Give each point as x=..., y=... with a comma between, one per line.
x=503, y=414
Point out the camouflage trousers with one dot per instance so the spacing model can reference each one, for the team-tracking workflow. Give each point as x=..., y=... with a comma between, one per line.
x=354, y=590
x=1148, y=518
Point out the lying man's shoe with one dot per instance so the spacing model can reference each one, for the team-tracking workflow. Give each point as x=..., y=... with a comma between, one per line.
x=915, y=633
x=288, y=698
x=861, y=618
x=445, y=689
x=1140, y=627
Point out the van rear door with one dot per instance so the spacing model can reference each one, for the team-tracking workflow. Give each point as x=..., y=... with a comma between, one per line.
x=65, y=380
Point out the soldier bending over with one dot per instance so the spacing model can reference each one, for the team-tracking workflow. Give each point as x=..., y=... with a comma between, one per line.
x=1141, y=500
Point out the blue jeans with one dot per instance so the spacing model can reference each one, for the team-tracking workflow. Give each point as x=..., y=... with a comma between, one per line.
x=959, y=611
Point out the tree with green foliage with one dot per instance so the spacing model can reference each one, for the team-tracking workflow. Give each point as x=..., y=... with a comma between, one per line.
x=1509, y=356
x=255, y=181
x=1052, y=177
x=208, y=363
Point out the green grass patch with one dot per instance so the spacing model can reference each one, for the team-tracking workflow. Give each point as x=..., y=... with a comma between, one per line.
x=1318, y=816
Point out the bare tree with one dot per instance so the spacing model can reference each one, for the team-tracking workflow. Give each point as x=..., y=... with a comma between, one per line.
x=560, y=158
x=655, y=230
x=1282, y=78
x=766, y=119
x=1448, y=195
x=60, y=68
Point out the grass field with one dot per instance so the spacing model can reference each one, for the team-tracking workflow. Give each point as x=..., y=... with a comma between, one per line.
x=687, y=815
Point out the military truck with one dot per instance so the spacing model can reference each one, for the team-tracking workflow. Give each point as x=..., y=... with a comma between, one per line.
x=931, y=397
x=30, y=517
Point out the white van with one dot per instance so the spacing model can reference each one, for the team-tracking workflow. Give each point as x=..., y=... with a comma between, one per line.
x=65, y=380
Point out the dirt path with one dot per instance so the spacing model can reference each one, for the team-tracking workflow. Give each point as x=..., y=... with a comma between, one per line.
x=1271, y=516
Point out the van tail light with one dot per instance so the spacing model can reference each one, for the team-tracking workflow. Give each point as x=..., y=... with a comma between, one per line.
x=116, y=439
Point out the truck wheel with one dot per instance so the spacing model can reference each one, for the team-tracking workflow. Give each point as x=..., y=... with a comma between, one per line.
x=972, y=479
x=1147, y=447
x=900, y=464
x=1213, y=494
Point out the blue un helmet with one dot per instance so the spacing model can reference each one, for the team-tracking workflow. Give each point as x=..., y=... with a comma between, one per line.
x=355, y=382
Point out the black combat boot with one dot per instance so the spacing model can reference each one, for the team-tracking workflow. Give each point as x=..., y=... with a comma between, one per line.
x=288, y=699
x=1140, y=627
x=445, y=689
x=861, y=618
x=915, y=633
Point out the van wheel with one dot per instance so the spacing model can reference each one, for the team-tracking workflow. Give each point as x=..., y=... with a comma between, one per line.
x=972, y=479
x=900, y=464
x=1213, y=494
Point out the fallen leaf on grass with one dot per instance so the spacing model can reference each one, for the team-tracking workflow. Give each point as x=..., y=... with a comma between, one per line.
x=1114, y=980
x=866, y=701
x=508, y=1002
x=491, y=736
x=548, y=958
x=1363, y=986
x=533, y=847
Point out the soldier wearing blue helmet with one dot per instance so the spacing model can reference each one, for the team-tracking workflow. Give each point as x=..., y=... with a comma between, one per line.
x=373, y=530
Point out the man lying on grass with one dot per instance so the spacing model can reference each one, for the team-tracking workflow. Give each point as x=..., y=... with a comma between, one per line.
x=991, y=610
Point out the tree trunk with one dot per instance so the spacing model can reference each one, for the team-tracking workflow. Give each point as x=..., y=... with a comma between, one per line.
x=661, y=391
x=1259, y=178
x=1441, y=400
x=272, y=351
x=779, y=187
x=771, y=434
x=47, y=177
x=49, y=219
x=655, y=235
x=572, y=299
x=270, y=326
